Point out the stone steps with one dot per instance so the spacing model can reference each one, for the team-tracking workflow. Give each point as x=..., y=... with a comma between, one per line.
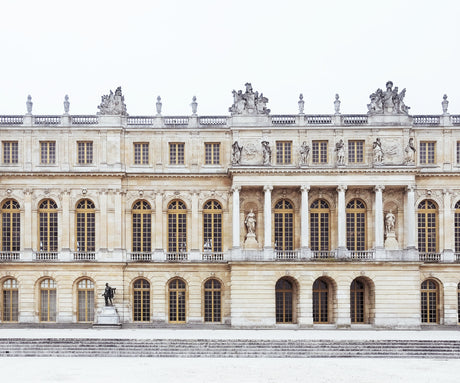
x=227, y=348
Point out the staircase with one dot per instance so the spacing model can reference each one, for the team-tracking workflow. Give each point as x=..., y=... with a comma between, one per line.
x=224, y=348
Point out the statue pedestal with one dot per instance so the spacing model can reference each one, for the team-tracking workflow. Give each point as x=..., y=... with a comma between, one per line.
x=251, y=242
x=391, y=243
x=108, y=316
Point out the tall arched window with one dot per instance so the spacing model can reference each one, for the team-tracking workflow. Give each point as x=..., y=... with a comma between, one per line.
x=427, y=226
x=177, y=227
x=86, y=226
x=430, y=301
x=10, y=226
x=458, y=303
x=212, y=301
x=319, y=225
x=142, y=227
x=141, y=301
x=357, y=301
x=212, y=226
x=48, y=300
x=457, y=228
x=320, y=301
x=10, y=300
x=177, y=300
x=284, y=225
x=284, y=292
x=356, y=225
x=48, y=229
x=85, y=294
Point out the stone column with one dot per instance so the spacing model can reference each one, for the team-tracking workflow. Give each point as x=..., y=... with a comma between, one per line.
x=236, y=216
x=103, y=222
x=158, y=227
x=268, y=216
x=66, y=226
x=194, y=253
x=447, y=228
x=379, y=227
x=342, y=218
x=26, y=227
x=304, y=217
x=410, y=217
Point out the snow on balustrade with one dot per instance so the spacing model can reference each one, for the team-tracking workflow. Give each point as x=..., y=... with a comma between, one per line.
x=354, y=119
x=427, y=120
x=283, y=120
x=319, y=120
x=213, y=120
x=140, y=120
x=11, y=120
x=47, y=120
x=176, y=120
x=84, y=120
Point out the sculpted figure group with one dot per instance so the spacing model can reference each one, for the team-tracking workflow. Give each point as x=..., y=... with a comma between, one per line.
x=249, y=102
x=113, y=104
x=389, y=101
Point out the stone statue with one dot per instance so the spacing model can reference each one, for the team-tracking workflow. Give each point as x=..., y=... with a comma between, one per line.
x=236, y=153
x=445, y=104
x=249, y=102
x=267, y=153
x=301, y=104
x=388, y=101
x=337, y=104
x=29, y=104
x=158, y=106
x=410, y=152
x=390, y=223
x=340, y=149
x=66, y=104
x=194, y=106
x=108, y=295
x=250, y=222
x=304, y=153
x=378, y=151
x=113, y=104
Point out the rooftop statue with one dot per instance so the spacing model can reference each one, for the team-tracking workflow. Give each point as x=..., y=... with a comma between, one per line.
x=389, y=101
x=113, y=104
x=249, y=102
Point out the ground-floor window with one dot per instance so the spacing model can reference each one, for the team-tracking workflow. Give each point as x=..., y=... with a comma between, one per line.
x=48, y=300
x=10, y=300
x=85, y=300
x=357, y=302
x=284, y=297
x=177, y=301
x=429, y=301
x=212, y=301
x=320, y=301
x=141, y=301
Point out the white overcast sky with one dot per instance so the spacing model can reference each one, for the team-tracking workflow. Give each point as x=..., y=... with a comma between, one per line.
x=181, y=48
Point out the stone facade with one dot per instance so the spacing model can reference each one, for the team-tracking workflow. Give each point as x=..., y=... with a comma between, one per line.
x=366, y=168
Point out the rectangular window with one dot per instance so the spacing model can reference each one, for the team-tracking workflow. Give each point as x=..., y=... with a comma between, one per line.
x=427, y=152
x=141, y=153
x=355, y=151
x=85, y=152
x=10, y=152
x=176, y=153
x=283, y=152
x=47, y=152
x=212, y=153
x=319, y=152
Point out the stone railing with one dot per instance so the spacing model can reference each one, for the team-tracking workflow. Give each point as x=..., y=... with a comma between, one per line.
x=283, y=119
x=319, y=120
x=365, y=255
x=455, y=120
x=355, y=119
x=47, y=120
x=140, y=120
x=11, y=120
x=84, y=120
x=84, y=256
x=10, y=255
x=429, y=257
x=287, y=255
x=46, y=255
x=321, y=254
x=427, y=120
x=176, y=256
x=212, y=256
x=213, y=120
x=140, y=256
x=175, y=120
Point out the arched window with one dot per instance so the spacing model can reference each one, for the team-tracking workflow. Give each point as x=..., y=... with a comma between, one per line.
x=357, y=301
x=48, y=300
x=10, y=300
x=457, y=228
x=319, y=225
x=177, y=227
x=141, y=301
x=10, y=226
x=142, y=227
x=284, y=292
x=86, y=226
x=177, y=301
x=212, y=226
x=430, y=301
x=212, y=301
x=284, y=225
x=85, y=293
x=48, y=221
x=320, y=301
x=356, y=225
x=427, y=227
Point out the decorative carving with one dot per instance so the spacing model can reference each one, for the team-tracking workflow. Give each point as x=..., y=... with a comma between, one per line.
x=304, y=153
x=301, y=104
x=158, y=106
x=66, y=104
x=378, y=151
x=29, y=104
x=194, y=106
x=250, y=222
x=390, y=223
x=248, y=103
x=340, y=151
x=236, y=154
x=267, y=153
x=337, y=104
x=388, y=101
x=410, y=152
x=113, y=104
x=445, y=105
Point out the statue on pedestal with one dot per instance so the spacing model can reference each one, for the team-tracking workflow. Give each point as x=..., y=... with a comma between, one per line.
x=267, y=153
x=410, y=152
x=250, y=222
x=108, y=295
x=340, y=149
x=304, y=153
x=389, y=223
x=391, y=243
x=378, y=151
x=236, y=153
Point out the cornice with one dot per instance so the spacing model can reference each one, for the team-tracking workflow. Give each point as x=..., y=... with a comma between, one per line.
x=330, y=171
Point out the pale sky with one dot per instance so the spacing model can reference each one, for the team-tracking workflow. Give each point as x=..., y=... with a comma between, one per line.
x=181, y=48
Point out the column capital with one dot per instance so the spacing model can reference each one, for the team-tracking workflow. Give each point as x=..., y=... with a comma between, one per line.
x=379, y=188
x=305, y=188
x=268, y=188
x=446, y=191
x=411, y=188
x=236, y=189
x=342, y=188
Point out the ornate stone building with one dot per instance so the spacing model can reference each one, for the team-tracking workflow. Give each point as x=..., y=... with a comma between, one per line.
x=249, y=219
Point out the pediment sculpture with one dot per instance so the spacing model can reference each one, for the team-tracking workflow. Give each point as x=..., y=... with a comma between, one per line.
x=113, y=104
x=389, y=101
x=248, y=103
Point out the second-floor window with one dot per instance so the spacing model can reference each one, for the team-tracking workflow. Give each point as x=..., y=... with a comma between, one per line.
x=319, y=152
x=47, y=152
x=458, y=152
x=355, y=151
x=283, y=152
x=141, y=153
x=85, y=152
x=10, y=152
x=212, y=153
x=176, y=153
x=427, y=152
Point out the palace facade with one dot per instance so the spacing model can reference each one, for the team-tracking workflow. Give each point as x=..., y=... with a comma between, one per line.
x=249, y=219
